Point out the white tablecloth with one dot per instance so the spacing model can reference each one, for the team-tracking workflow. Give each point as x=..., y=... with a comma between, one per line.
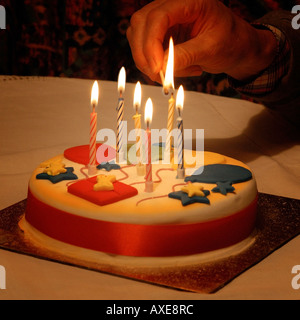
x=40, y=117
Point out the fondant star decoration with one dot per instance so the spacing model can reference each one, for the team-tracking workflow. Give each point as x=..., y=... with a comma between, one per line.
x=193, y=189
x=104, y=182
x=47, y=163
x=186, y=200
x=68, y=175
x=223, y=187
x=108, y=166
x=55, y=168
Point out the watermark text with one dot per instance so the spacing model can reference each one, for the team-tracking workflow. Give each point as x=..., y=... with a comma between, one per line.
x=2, y=278
x=188, y=140
x=296, y=279
x=296, y=19
x=2, y=18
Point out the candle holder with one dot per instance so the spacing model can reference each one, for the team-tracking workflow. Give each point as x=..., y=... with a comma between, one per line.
x=149, y=186
x=180, y=173
x=92, y=170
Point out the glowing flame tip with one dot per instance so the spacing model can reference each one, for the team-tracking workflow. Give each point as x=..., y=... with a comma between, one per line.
x=169, y=76
x=137, y=95
x=95, y=93
x=148, y=111
x=180, y=98
x=122, y=80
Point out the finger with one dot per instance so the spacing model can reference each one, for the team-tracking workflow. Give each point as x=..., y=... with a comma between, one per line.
x=191, y=71
x=189, y=56
x=157, y=25
x=137, y=51
x=159, y=20
x=136, y=35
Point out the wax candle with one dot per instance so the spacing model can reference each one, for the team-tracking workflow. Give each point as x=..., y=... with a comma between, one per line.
x=120, y=114
x=171, y=112
x=137, y=126
x=168, y=88
x=92, y=167
x=148, y=119
x=180, y=147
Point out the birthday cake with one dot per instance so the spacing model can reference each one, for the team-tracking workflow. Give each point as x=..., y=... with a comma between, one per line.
x=210, y=209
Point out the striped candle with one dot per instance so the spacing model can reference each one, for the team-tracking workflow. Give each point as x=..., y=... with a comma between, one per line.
x=180, y=146
x=148, y=153
x=120, y=114
x=137, y=124
x=120, y=118
x=170, y=125
x=148, y=118
x=93, y=131
x=180, y=143
x=168, y=88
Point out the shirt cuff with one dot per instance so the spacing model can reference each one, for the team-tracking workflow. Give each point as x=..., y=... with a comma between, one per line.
x=267, y=80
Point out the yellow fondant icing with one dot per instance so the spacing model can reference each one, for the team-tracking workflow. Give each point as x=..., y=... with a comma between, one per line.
x=193, y=189
x=104, y=182
x=208, y=158
x=47, y=163
x=55, y=168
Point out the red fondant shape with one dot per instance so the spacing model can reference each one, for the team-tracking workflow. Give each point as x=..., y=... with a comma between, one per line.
x=84, y=189
x=80, y=154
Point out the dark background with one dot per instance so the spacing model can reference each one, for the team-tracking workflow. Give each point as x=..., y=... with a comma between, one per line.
x=87, y=39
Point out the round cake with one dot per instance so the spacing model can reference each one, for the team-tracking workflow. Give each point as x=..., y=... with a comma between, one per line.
x=212, y=208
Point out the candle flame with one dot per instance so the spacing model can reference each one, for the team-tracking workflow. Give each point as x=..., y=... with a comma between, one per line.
x=180, y=98
x=148, y=111
x=95, y=94
x=169, y=77
x=122, y=80
x=137, y=95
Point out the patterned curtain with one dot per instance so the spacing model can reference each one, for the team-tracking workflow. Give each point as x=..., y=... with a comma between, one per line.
x=87, y=39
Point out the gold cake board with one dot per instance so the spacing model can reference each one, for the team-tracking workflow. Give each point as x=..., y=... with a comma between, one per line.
x=278, y=222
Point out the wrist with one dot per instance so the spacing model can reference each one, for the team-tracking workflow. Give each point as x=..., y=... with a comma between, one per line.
x=256, y=53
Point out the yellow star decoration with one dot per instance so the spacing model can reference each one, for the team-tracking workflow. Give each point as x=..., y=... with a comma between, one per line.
x=104, y=182
x=47, y=163
x=55, y=168
x=193, y=189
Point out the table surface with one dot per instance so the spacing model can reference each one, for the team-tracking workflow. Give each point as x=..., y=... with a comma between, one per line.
x=40, y=117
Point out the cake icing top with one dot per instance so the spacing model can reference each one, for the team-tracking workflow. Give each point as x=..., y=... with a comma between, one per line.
x=224, y=186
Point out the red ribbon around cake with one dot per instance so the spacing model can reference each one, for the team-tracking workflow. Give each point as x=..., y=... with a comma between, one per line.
x=140, y=240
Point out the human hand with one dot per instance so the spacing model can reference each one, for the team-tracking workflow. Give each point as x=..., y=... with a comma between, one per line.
x=207, y=35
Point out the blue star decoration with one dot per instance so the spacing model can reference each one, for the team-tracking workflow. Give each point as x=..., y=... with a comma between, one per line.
x=108, y=166
x=223, y=187
x=186, y=200
x=69, y=175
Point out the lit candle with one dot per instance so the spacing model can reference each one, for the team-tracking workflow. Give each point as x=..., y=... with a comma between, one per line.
x=148, y=119
x=137, y=125
x=92, y=167
x=180, y=147
x=120, y=115
x=168, y=86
